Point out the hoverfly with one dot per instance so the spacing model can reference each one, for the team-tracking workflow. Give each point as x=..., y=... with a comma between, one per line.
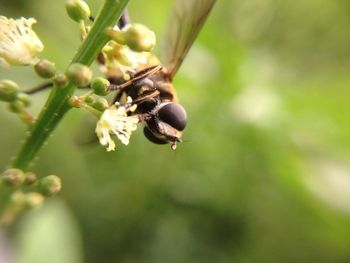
x=151, y=89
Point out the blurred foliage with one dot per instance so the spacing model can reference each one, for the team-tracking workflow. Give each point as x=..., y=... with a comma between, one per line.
x=264, y=174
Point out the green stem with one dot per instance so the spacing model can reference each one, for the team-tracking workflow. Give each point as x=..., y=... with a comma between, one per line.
x=57, y=104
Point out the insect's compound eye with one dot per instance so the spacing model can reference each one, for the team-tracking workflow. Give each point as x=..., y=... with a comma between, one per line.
x=173, y=114
x=150, y=136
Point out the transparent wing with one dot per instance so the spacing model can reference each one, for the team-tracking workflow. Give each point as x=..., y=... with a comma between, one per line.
x=186, y=20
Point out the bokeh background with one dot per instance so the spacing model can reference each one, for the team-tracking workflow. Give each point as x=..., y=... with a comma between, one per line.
x=264, y=174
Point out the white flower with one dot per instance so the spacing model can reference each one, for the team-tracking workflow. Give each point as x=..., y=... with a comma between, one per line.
x=115, y=120
x=19, y=45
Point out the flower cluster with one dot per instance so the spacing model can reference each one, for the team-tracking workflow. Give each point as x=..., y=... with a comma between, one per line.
x=120, y=58
x=128, y=50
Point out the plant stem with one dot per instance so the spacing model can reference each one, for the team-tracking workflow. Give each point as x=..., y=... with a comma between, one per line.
x=57, y=104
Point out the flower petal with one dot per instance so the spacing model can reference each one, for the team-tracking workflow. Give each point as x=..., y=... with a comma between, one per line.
x=115, y=121
x=19, y=44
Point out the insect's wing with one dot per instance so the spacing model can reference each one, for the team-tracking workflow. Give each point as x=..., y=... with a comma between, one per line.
x=186, y=20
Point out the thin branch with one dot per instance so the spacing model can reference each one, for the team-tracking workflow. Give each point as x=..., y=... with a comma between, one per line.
x=39, y=88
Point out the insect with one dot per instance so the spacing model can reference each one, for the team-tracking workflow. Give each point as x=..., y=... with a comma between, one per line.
x=151, y=89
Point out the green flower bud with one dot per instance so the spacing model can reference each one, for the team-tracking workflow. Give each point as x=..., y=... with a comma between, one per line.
x=8, y=90
x=50, y=185
x=33, y=200
x=29, y=200
x=139, y=38
x=24, y=98
x=13, y=177
x=45, y=69
x=16, y=106
x=60, y=80
x=89, y=100
x=80, y=75
x=18, y=199
x=78, y=10
x=30, y=178
x=100, y=104
x=117, y=36
x=100, y=86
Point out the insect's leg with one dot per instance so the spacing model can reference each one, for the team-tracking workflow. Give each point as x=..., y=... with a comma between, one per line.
x=141, y=78
x=119, y=87
x=137, y=81
x=148, y=96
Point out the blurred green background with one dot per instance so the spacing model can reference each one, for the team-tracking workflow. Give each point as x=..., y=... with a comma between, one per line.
x=264, y=174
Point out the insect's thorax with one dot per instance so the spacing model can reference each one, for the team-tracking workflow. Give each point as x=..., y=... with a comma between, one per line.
x=152, y=89
x=166, y=89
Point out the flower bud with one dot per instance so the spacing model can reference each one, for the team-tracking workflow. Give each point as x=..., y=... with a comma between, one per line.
x=139, y=38
x=117, y=35
x=78, y=10
x=45, y=69
x=18, y=199
x=80, y=75
x=16, y=106
x=89, y=100
x=13, y=177
x=33, y=200
x=8, y=90
x=30, y=178
x=60, y=80
x=100, y=104
x=29, y=200
x=24, y=98
x=50, y=185
x=100, y=86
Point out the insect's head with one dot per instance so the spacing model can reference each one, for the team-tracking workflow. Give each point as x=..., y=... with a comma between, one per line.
x=168, y=121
